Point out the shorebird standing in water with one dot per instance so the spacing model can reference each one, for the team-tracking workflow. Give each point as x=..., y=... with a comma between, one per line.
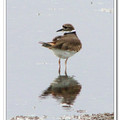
x=66, y=45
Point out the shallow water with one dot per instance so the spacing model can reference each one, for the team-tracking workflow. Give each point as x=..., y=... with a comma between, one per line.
x=33, y=70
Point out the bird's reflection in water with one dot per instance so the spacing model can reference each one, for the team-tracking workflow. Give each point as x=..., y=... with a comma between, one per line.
x=65, y=89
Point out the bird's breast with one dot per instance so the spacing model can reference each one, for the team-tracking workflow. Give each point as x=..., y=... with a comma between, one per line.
x=64, y=54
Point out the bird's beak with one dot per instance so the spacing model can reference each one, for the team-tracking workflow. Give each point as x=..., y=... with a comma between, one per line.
x=60, y=30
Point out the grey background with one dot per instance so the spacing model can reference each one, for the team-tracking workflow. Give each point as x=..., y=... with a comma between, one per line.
x=32, y=68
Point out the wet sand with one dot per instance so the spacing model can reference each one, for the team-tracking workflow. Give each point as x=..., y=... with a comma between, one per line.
x=104, y=116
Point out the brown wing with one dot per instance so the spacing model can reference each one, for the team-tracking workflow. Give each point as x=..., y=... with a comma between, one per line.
x=73, y=45
x=68, y=43
x=57, y=38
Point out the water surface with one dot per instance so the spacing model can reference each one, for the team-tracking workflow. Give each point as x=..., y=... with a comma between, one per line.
x=33, y=70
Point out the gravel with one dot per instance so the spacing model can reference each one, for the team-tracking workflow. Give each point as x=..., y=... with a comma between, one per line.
x=100, y=116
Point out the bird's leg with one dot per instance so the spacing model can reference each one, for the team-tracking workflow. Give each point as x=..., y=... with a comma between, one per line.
x=66, y=66
x=59, y=67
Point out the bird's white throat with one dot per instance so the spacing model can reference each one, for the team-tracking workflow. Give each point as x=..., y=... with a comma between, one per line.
x=69, y=31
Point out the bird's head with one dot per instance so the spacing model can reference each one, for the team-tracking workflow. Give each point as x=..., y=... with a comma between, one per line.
x=66, y=27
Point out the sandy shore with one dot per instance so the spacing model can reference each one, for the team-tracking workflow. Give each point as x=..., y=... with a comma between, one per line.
x=104, y=116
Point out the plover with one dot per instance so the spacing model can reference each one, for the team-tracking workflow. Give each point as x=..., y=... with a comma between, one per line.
x=66, y=45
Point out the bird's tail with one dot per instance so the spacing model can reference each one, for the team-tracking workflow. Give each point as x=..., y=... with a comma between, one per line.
x=48, y=45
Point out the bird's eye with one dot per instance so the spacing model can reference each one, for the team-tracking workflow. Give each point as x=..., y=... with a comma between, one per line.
x=65, y=27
